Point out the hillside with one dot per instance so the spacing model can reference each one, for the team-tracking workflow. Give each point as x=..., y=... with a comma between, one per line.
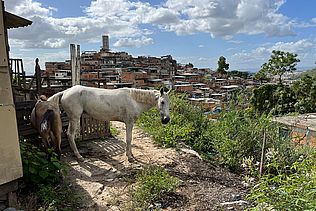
x=105, y=178
x=311, y=72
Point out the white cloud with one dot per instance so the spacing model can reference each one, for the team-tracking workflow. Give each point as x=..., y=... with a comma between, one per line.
x=54, y=43
x=300, y=46
x=28, y=8
x=130, y=42
x=162, y=16
x=125, y=19
x=305, y=49
x=235, y=41
x=201, y=46
x=110, y=17
x=225, y=18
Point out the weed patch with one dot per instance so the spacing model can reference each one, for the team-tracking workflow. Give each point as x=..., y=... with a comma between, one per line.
x=152, y=184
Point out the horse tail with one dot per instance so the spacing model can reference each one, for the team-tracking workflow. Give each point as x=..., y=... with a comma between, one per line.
x=56, y=97
x=47, y=121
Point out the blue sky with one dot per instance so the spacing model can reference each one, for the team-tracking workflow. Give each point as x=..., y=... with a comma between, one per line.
x=196, y=31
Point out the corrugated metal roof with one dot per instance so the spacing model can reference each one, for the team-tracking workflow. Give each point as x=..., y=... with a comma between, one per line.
x=301, y=121
x=14, y=21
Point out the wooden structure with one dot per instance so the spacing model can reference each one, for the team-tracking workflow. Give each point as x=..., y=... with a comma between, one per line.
x=10, y=165
x=90, y=128
x=27, y=87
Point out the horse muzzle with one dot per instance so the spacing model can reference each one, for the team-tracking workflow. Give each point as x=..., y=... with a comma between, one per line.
x=165, y=120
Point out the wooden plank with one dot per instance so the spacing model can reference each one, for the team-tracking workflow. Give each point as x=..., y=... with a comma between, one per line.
x=8, y=187
x=12, y=199
x=11, y=164
x=3, y=47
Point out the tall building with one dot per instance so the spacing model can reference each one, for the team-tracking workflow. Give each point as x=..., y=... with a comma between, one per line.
x=105, y=43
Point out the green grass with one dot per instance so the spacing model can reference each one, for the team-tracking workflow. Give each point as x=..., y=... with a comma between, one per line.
x=152, y=184
x=58, y=197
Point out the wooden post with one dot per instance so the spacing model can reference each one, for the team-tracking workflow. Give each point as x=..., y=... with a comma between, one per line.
x=73, y=64
x=98, y=78
x=78, y=65
x=23, y=75
x=38, y=77
x=48, y=81
x=262, y=152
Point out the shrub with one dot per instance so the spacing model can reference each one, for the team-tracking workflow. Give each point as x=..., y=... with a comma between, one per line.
x=288, y=188
x=279, y=99
x=152, y=184
x=237, y=134
x=187, y=124
x=59, y=197
x=38, y=167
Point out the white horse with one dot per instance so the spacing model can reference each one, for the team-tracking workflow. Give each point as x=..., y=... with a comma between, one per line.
x=124, y=105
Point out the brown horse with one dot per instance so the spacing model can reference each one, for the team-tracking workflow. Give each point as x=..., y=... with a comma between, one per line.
x=45, y=118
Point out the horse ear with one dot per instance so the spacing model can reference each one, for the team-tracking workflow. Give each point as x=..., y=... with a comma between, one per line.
x=161, y=91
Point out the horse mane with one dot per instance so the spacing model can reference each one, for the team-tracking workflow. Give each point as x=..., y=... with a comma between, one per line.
x=144, y=96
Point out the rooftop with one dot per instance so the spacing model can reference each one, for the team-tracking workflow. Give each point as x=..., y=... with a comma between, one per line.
x=304, y=121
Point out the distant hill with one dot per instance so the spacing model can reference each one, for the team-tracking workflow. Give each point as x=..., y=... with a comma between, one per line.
x=311, y=72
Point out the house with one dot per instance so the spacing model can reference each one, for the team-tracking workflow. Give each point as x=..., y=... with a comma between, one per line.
x=63, y=74
x=301, y=128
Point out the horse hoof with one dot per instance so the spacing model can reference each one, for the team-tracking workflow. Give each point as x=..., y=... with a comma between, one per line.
x=80, y=159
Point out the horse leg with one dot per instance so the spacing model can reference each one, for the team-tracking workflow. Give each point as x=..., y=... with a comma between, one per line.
x=58, y=143
x=129, y=132
x=72, y=129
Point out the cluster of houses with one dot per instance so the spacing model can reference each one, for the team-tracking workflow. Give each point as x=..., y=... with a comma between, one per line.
x=119, y=69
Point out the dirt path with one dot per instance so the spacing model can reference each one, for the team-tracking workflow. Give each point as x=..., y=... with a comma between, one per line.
x=103, y=179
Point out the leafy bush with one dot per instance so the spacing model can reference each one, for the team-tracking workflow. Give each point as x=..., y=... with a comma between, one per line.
x=305, y=91
x=275, y=99
x=151, y=184
x=279, y=99
x=38, y=167
x=187, y=124
x=59, y=197
x=287, y=188
x=237, y=134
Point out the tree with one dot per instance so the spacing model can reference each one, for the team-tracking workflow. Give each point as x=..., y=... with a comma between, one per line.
x=280, y=63
x=190, y=65
x=261, y=75
x=222, y=65
x=240, y=74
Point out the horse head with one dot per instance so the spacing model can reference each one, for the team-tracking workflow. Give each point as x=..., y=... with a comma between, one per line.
x=163, y=106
